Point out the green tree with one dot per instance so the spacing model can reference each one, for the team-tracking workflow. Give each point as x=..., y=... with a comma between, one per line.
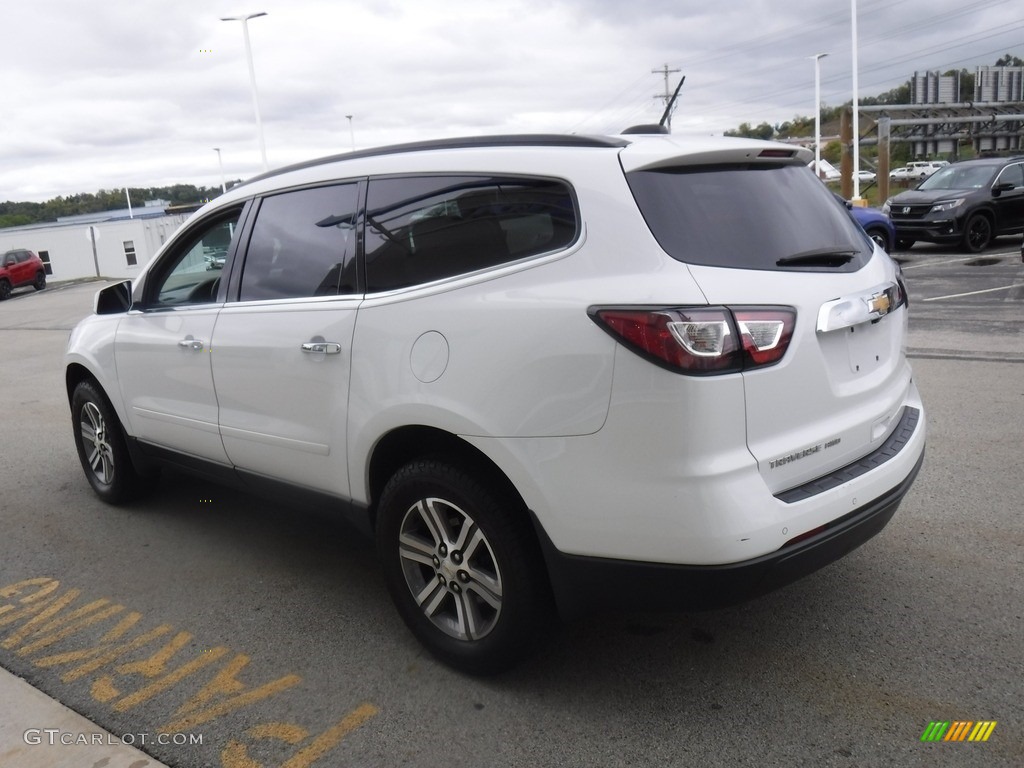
x=966, y=83
x=763, y=131
x=833, y=152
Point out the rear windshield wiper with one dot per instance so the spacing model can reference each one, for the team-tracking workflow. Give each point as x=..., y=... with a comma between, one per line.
x=820, y=257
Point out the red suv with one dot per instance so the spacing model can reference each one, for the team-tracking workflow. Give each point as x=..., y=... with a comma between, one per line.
x=21, y=267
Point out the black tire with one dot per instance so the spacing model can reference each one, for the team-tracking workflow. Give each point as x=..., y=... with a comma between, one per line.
x=977, y=233
x=40, y=282
x=463, y=567
x=904, y=244
x=101, y=446
x=5, y=289
x=881, y=237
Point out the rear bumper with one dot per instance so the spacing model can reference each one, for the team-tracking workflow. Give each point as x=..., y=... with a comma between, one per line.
x=590, y=584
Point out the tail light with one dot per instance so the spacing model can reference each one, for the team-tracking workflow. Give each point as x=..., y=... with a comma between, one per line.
x=702, y=340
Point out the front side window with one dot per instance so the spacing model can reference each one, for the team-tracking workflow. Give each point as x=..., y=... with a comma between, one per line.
x=425, y=228
x=746, y=216
x=191, y=273
x=303, y=245
x=1012, y=174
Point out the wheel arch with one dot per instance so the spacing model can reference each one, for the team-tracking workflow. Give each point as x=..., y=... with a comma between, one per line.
x=405, y=444
x=75, y=374
x=984, y=210
x=880, y=229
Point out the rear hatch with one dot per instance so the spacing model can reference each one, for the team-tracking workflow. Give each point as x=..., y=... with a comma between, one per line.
x=757, y=230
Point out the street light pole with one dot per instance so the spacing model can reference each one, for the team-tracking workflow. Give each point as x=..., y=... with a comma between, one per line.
x=220, y=162
x=856, y=106
x=252, y=79
x=817, y=111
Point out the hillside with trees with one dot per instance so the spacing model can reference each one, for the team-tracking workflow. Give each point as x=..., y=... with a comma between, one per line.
x=803, y=127
x=13, y=214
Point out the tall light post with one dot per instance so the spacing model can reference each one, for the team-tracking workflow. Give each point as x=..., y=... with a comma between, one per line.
x=856, y=106
x=252, y=79
x=220, y=162
x=817, y=111
x=351, y=132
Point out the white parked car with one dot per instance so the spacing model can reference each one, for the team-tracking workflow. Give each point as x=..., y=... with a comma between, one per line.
x=542, y=371
x=917, y=170
x=904, y=173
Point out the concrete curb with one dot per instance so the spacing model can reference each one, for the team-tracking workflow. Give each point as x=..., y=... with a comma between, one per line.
x=39, y=732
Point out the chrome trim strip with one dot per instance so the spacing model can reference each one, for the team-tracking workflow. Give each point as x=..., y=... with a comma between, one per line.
x=865, y=307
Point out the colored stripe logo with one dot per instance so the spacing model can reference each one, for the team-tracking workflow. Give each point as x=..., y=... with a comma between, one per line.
x=958, y=730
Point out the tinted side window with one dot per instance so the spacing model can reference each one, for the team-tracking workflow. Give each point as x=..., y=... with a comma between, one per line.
x=303, y=244
x=748, y=217
x=426, y=228
x=1013, y=174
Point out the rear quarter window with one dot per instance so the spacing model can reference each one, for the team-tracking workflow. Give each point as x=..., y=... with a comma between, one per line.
x=744, y=216
x=425, y=228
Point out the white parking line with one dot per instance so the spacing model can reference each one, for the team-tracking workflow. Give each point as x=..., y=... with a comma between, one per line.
x=973, y=293
x=935, y=263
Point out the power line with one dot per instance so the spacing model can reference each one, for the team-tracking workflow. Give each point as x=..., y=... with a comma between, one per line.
x=631, y=103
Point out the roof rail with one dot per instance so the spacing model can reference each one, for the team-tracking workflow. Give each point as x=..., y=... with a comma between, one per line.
x=467, y=142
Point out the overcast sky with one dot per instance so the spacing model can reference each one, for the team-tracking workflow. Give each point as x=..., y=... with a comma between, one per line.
x=101, y=95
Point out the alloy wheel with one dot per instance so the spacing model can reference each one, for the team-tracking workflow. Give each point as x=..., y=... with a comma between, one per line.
x=100, y=455
x=450, y=569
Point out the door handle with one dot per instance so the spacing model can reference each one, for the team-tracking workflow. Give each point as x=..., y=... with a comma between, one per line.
x=190, y=343
x=321, y=347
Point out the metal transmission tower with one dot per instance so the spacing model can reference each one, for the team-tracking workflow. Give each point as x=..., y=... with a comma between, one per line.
x=667, y=97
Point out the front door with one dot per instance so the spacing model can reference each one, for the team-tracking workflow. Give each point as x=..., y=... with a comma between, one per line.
x=162, y=349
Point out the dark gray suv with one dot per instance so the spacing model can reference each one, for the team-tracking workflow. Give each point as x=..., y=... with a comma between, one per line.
x=970, y=203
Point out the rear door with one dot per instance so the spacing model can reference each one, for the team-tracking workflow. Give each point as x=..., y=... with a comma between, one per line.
x=283, y=346
x=764, y=235
x=1010, y=202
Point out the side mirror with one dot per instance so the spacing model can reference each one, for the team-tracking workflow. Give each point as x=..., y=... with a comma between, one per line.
x=114, y=299
x=1003, y=186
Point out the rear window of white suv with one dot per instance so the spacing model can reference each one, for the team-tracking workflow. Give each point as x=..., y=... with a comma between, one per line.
x=767, y=217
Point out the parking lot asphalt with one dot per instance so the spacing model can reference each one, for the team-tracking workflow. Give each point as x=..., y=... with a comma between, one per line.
x=265, y=634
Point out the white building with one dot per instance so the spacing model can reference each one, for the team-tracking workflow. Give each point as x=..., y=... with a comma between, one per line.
x=108, y=244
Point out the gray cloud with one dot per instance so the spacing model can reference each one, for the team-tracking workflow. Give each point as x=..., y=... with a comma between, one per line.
x=138, y=93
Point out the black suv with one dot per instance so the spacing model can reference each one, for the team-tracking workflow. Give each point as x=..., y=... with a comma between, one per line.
x=969, y=202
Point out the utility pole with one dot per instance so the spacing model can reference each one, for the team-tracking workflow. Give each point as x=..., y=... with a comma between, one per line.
x=667, y=96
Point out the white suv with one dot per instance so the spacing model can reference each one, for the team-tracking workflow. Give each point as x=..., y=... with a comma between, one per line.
x=544, y=371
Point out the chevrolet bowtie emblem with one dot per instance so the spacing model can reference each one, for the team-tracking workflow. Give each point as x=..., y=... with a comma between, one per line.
x=880, y=304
